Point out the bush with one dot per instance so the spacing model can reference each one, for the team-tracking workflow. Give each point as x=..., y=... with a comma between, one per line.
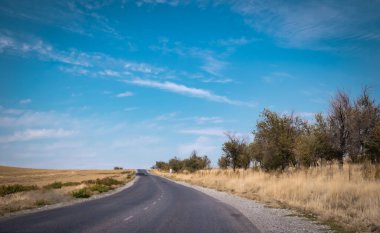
x=100, y=188
x=71, y=184
x=55, y=185
x=108, y=181
x=41, y=202
x=8, y=189
x=82, y=193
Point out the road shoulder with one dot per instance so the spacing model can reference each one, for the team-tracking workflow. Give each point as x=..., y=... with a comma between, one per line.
x=264, y=218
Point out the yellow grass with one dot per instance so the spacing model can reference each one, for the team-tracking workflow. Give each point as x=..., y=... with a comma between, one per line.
x=41, y=177
x=348, y=198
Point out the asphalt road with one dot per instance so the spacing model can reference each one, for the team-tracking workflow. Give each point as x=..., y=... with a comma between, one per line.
x=152, y=204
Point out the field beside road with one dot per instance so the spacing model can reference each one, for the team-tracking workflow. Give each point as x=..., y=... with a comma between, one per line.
x=26, y=188
x=348, y=199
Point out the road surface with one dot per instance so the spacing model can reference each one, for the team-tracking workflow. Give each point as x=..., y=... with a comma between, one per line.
x=152, y=204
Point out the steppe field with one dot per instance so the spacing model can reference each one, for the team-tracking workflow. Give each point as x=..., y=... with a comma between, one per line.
x=348, y=199
x=26, y=188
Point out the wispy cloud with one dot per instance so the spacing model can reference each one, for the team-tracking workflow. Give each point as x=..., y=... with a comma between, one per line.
x=125, y=94
x=130, y=109
x=277, y=77
x=167, y=2
x=142, y=68
x=211, y=63
x=25, y=101
x=80, y=17
x=311, y=24
x=33, y=134
x=234, y=41
x=111, y=73
x=188, y=91
x=208, y=120
x=209, y=146
x=205, y=131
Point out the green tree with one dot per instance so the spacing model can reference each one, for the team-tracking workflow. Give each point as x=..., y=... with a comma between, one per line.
x=275, y=136
x=373, y=145
x=339, y=120
x=224, y=162
x=234, y=149
x=175, y=164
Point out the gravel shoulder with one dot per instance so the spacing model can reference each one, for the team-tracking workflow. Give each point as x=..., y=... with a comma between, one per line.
x=264, y=218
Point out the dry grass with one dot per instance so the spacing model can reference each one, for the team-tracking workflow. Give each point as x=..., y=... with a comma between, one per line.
x=42, y=177
x=349, y=198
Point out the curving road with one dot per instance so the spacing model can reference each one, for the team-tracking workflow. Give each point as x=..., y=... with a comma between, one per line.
x=152, y=204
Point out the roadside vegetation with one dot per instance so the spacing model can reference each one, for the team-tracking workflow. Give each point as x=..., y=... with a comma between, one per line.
x=328, y=168
x=39, y=187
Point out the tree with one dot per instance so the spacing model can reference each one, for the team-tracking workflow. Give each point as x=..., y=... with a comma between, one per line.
x=206, y=162
x=373, y=145
x=339, y=119
x=245, y=157
x=324, y=148
x=233, y=149
x=162, y=165
x=275, y=136
x=176, y=164
x=363, y=119
x=224, y=162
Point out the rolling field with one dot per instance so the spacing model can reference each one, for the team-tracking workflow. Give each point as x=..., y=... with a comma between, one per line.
x=25, y=188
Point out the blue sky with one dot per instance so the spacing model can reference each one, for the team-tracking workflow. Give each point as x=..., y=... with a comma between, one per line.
x=97, y=84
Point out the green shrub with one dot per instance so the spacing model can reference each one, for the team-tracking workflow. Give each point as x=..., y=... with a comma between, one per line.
x=82, y=193
x=14, y=188
x=101, y=188
x=41, y=202
x=71, y=184
x=55, y=185
x=89, y=182
x=108, y=181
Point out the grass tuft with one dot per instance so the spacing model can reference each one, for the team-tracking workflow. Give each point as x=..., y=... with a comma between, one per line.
x=54, y=185
x=82, y=193
x=15, y=188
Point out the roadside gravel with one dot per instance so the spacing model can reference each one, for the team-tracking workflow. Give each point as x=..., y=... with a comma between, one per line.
x=264, y=218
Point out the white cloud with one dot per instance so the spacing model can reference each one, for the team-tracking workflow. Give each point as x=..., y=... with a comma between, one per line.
x=308, y=24
x=138, y=141
x=130, y=109
x=211, y=63
x=142, y=68
x=167, y=2
x=234, y=41
x=277, y=77
x=25, y=101
x=205, y=131
x=188, y=91
x=207, y=120
x=125, y=94
x=166, y=116
x=203, y=145
x=110, y=73
x=33, y=134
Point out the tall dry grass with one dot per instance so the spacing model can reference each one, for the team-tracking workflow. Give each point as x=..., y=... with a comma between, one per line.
x=349, y=198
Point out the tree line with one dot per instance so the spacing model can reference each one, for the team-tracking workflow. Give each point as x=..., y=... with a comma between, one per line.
x=191, y=164
x=350, y=130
